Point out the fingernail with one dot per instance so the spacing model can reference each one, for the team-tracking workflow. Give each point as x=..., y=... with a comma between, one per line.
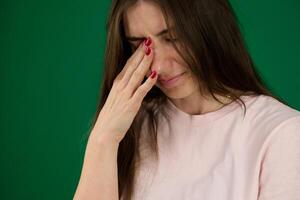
x=148, y=41
x=153, y=74
x=148, y=51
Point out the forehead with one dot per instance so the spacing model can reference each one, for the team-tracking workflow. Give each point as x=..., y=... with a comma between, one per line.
x=143, y=18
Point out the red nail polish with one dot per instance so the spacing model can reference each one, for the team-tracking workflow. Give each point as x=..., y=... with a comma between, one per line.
x=148, y=51
x=147, y=42
x=153, y=74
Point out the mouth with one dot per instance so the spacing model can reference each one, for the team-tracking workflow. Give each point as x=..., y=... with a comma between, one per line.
x=172, y=81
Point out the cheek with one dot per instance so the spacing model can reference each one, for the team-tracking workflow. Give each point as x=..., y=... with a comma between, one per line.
x=178, y=59
x=181, y=64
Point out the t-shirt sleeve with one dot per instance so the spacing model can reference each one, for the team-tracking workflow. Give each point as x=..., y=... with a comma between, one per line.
x=280, y=167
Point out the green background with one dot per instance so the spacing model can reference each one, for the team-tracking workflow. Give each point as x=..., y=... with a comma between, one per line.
x=51, y=68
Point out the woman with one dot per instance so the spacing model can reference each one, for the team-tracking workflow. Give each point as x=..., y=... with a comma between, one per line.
x=183, y=113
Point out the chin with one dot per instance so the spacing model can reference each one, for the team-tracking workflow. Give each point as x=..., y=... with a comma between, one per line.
x=180, y=91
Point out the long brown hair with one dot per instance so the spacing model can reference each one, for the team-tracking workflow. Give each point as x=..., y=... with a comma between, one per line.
x=213, y=48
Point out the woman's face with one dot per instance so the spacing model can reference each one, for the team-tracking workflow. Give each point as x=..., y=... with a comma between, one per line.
x=145, y=19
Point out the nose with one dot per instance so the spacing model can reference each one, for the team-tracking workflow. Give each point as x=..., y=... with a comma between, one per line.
x=160, y=62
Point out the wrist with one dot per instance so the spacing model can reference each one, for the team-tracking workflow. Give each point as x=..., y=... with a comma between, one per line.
x=103, y=139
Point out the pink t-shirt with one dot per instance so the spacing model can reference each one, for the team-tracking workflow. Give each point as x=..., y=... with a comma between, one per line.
x=222, y=155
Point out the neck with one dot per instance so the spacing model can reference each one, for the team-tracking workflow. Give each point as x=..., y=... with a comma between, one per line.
x=196, y=104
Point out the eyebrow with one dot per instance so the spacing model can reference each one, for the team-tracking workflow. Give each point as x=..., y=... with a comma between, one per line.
x=134, y=38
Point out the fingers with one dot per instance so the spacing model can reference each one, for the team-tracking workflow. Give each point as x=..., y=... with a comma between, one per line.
x=132, y=63
x=141, y=91
x=141, y=71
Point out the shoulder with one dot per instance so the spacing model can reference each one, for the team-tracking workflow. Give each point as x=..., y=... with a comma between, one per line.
x=263, y=105
x=269, y=142
x=266, y=114
x=272, y=135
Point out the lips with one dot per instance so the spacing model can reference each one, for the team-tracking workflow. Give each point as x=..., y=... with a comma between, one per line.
x=171, y=82
x=164, y=80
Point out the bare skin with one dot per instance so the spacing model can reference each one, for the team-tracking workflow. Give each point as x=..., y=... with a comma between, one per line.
x=99, y=177
x=145, y=19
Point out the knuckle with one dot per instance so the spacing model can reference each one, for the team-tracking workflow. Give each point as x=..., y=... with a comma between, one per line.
x=134, y=104
x=141, y=91
x=128, y=107
x=137, y=73
x=118, y=78
x=116, y=82
x=125, y=91
x=137, y=92
x=129, y=61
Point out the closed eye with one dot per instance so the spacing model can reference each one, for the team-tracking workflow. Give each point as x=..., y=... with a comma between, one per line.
x=170, y=39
